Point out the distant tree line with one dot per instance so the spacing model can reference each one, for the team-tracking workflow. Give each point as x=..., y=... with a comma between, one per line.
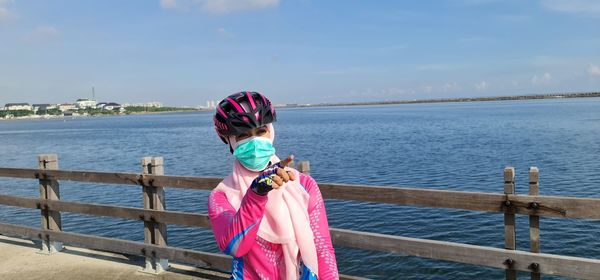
x=96, y=111
x=53, y=112
x=143, y=109
x=90, y=111
x=15, y=113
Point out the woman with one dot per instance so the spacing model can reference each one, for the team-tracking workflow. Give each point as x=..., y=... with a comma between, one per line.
x=269, y=217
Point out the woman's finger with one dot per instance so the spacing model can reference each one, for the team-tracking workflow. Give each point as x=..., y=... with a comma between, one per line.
x=281, y=173
x=286, y=161
x=292, y=175
x=277, y=180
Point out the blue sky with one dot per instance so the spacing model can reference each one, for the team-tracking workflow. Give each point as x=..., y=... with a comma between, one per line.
x=184, y=52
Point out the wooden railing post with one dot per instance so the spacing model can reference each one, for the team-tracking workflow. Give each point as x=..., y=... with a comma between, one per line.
x=154, y=198
x=534, y=221
x=49, y=190
x=304, y=167
x=509, y=221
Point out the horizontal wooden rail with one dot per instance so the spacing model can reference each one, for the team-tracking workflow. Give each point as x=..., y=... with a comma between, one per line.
x=217, y=261
x=185, y=182
x=80, y=176
x=569, y=207
x=456, y=252
x=211, y=260
x=152, y=180
x=553, y=206
x=168, y=217
x=478, y=201
x=582, y=268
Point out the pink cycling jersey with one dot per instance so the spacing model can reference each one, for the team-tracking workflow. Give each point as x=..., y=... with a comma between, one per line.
x=253, y=256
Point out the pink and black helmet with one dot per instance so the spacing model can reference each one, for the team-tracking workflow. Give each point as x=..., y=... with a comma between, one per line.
x=241, y=112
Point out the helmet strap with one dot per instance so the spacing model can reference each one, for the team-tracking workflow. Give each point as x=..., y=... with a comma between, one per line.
x=230, y=147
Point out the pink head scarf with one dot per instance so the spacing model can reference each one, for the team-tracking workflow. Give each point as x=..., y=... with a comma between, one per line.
x=285, y=220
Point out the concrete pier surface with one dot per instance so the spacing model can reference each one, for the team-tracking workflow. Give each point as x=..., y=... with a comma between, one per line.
x=21, y=259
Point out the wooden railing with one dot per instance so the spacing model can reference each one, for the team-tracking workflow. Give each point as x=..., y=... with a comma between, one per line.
x=155, y=217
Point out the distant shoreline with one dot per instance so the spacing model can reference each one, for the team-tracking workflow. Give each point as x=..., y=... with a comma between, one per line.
x=453, y=100
x=55, y=117
x=422, y=101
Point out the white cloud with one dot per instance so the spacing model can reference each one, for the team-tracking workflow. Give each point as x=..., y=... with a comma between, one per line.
x=223, y=33
x=589, y=7
x=275, y=58
x=392, y=48
x=228, y=6
x=427, y=89
x=42, y=34
x=543, y=79
x=5, y=13
x=168, y=4
x=481, y=86
x=385, y=93
x=342, y=71
x=513, y=18
x=593, y=70
x=472, y=40
x=447, y=87
x=437, y=67
x=451, y=87
x=217, y=6
x=475, y=2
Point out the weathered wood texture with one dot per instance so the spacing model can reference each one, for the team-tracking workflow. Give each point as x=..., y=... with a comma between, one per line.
x=471, y=254
x=217, y=261
x=340, y=237
x=204, y=259
x=168, y=217
x=154, y=198
x=510, y=240
x=477, y=201
x=508, y=203
x=49, y=190
x=304, y=167
x=185, y=182
x=552, y=206
x=534, y=220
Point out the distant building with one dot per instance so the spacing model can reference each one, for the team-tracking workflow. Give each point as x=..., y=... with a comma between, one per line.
x=154, y=104
x=108, y=106
x=42, y=107
x=18, y=106
x=66, y=107
x=148, y=104
x=112, y=106
x=85, y=103
x=210, y=104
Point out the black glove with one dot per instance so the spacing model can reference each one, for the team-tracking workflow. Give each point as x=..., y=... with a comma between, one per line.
x=263, y=183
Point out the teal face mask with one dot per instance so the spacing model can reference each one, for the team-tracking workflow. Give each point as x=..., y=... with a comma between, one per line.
x=254, y=153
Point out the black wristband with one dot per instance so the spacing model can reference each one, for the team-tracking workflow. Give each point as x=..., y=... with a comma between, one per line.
x=262, y=186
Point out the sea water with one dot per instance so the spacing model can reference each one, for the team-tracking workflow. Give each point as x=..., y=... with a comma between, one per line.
x=447, y=146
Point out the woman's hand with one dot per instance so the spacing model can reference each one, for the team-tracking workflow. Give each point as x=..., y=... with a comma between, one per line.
x=273, y=177
x=280, y=176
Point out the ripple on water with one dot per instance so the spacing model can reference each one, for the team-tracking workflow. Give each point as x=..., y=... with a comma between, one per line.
x=461, y=146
